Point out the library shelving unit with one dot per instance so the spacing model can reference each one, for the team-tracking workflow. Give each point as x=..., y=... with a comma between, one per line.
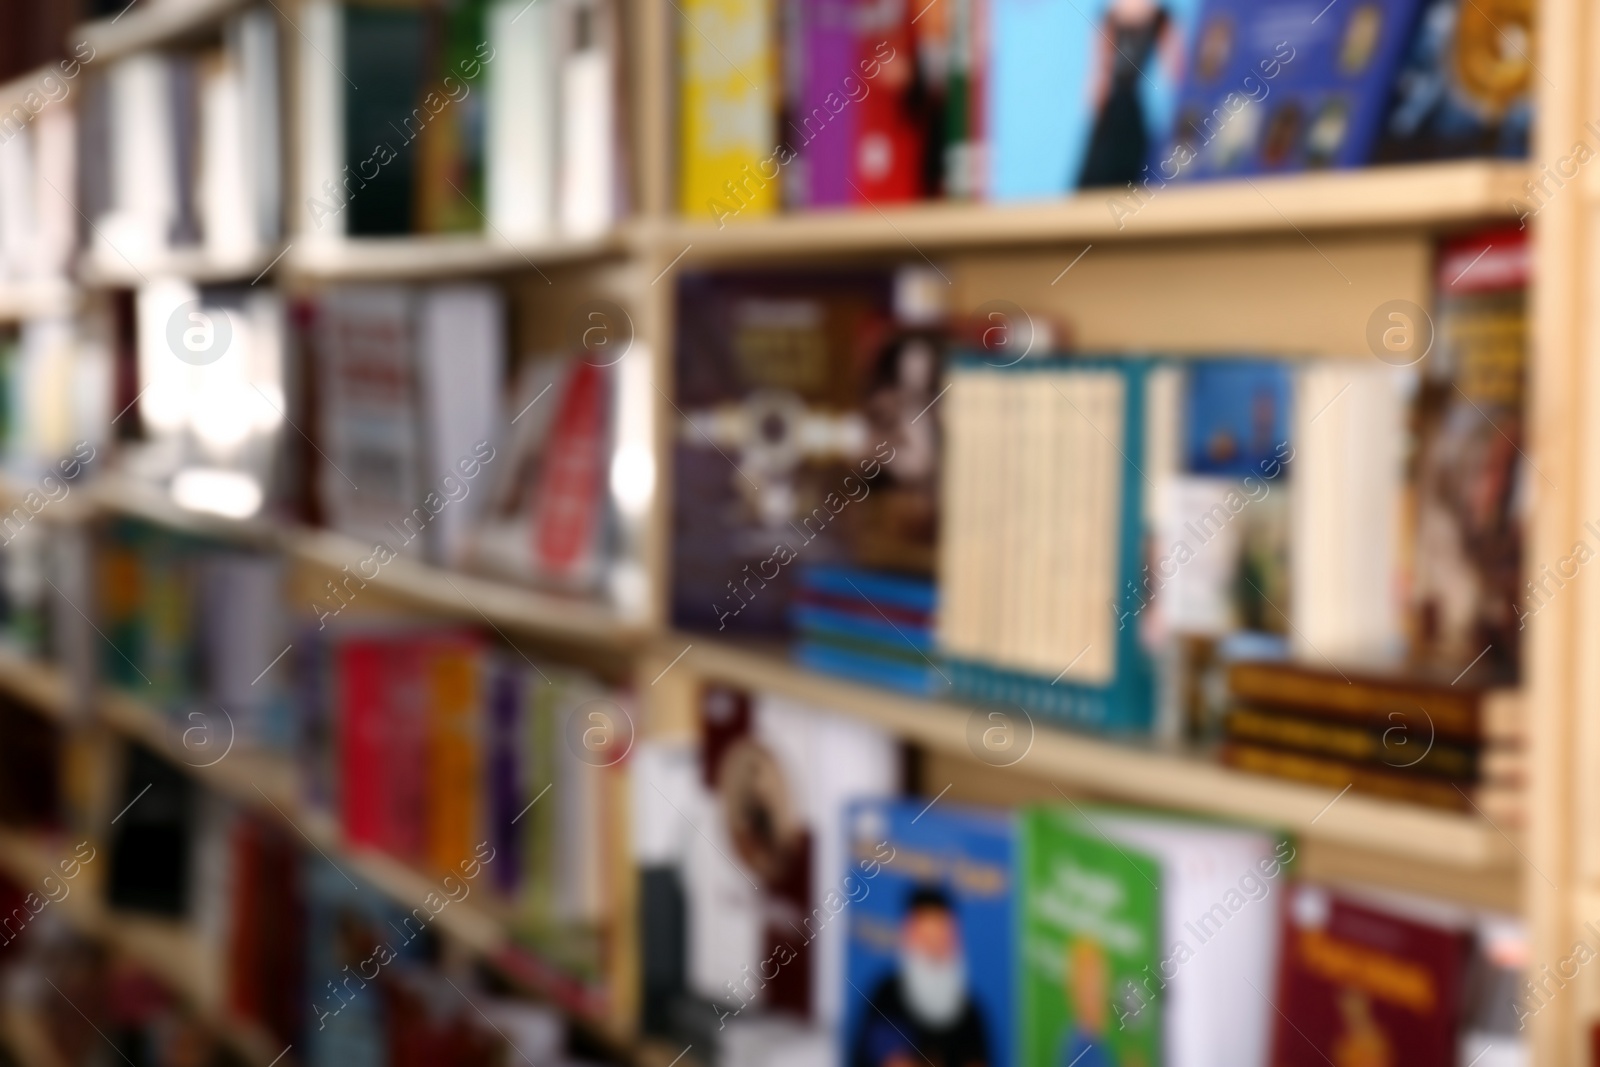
x=1294, y=264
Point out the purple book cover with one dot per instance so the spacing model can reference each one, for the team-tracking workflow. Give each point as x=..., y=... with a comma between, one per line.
x=826, y=139
x=505, y=777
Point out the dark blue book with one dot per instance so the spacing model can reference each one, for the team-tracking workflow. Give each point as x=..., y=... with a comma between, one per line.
x=887, y=591
x=899, y=636
x=918, y=678
x=931, y=956
x=1277, y=86
x=1464, y=88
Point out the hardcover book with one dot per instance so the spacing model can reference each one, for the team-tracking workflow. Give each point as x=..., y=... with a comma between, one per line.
x=1291, y=86
x=1141, y=937
x=1463, y=89
x=931, y=956
x=1369, y=979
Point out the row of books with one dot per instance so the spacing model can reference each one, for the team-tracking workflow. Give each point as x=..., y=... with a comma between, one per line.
x=426, y=743
x=413, y=426
x=1458, y=747
x=182, y=150
x=815, y=103
x=421, y=742
x=488, y=116
x=1058, y=529
x=797, y=909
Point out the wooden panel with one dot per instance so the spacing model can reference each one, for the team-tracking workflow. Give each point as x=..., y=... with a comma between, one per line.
x=1275, y=294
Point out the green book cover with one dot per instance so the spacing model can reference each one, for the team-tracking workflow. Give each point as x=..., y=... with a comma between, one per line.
x=1091, y=924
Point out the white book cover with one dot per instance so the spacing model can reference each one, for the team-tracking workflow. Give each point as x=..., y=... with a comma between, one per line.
x=144, y=186
x=253, y=41
x=520, y=141
x=461, y=349
x=55, y=163
x=227, y=216
x=1349, y=436
x=588, y=191
x=830, y=762
x=18, y=219
x=317, y=214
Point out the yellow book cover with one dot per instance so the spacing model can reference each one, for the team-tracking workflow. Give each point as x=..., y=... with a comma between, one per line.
x=728, y=109
x=453, y=778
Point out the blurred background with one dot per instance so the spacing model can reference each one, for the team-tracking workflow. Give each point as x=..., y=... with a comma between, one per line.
x=797, y=533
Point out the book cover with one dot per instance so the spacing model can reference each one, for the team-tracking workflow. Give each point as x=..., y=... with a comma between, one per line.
x=455, y=779
x=774, y=459
x=1470, y=597
x=1077, y=95
x=1089, y=915
x=450, y=145
x=1363, y=982
x=823, y=125
x=728, y=102
x=1236, y=416
x=1386, y=747
x=520, y=118
x=1464, y=87
x=385, y=54
x=1284, y=87
x=931, y=961
x=1039, y=600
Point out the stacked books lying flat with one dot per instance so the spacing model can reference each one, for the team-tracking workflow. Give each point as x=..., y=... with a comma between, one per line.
x=870, y=626
x=1455, y=747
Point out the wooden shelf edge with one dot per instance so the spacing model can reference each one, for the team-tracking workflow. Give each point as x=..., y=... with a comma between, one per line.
x=153, y=24
x=1129, y=772
x=110, y=271
x=470, y=596
x=41, y=686
x=427, y=256
x=36, y=299
x=1411, y=196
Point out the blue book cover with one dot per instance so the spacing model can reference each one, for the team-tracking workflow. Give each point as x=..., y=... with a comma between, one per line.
x=1465, y=89
x=1275, y=86
x=919, y=679
x=1236, y=416
x=918, y=595
x=1080, y=91
x=930, y=961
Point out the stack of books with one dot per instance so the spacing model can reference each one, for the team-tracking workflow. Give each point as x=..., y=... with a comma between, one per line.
x=868, y=625
x=1447, y=746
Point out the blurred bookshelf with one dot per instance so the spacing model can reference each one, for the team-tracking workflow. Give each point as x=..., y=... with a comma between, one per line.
x=1253, y=251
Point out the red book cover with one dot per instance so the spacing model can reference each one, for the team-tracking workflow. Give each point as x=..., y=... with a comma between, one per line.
x=890, y=133
x=362, y=746
x=408, y=707
x=1369, y=981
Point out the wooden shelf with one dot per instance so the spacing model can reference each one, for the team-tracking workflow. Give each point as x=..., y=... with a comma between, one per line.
x=168, y=950
x=1129, y=771
x=150, y=24
x=49, y=298
x=1372, y=198
x=38, y=685
x=574, y=620
x=430, y=257
x=107, y=270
